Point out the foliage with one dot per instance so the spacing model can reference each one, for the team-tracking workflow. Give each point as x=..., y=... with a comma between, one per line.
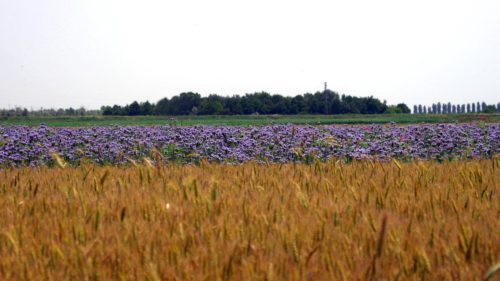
x=400, y=108
x=24, y=112
x=457, y=108
x=326, y=102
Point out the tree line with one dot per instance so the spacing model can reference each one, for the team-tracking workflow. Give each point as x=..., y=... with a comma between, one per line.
x=448, y=108
x=22, y=111
x=325, y=102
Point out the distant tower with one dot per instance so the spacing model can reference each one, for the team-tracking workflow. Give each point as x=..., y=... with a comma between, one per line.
x=326, y=88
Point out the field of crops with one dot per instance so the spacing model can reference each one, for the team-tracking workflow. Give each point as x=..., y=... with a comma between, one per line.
x=274, y=202
x=243, y=120
x=325, y=221
x=34, y=146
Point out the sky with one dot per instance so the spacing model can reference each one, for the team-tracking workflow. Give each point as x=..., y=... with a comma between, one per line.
x=68, y=53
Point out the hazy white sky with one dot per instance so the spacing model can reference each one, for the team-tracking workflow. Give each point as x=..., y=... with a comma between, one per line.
x=61, y=53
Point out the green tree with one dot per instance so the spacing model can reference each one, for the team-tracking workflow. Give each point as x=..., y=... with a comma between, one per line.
x=146, y=108
x=163, y=107
x=134, y=109
x=184, y=103
x=403, y=108
x=212, y=105
x=489, y=108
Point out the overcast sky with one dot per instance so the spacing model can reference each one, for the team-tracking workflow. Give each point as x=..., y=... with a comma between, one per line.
x=61, y=53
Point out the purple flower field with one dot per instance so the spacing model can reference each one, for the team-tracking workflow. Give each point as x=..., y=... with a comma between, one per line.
x=278, y=143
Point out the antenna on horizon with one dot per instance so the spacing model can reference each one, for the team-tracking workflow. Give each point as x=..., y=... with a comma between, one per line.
x=326, y=98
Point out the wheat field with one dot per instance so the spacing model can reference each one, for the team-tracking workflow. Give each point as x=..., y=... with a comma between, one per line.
x=325, y=221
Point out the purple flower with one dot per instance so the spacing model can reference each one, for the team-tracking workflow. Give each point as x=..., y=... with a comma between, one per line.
x=276, y=143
